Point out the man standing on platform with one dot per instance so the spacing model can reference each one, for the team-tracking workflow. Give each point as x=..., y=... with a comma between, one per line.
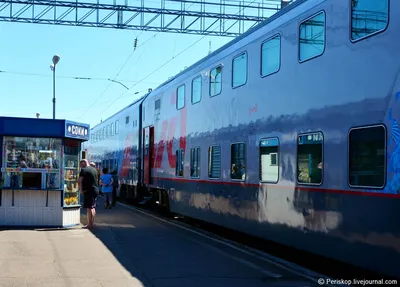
x=92, y=164
x=88, y=186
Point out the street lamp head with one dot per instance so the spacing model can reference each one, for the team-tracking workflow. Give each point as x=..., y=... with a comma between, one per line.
x=56, y=59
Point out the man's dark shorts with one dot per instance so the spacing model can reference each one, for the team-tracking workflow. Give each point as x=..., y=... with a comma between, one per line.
x=89, y=200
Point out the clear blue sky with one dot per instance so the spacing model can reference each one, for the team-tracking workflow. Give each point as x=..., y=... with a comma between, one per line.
x=86, y=52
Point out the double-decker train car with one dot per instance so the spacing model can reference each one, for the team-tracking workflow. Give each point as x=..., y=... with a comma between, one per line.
x=289, y=132
x=114, y=144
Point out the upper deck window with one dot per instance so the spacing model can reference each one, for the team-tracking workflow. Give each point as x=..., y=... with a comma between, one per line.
x=312, y=37
x=116, y=127
x=368, y=17
x=239, y=70
x=271, y=56
x=215, y=81
x=180, y=97
x=196, y=90
x=157, y=105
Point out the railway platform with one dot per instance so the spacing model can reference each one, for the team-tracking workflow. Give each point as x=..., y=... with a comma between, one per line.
x=131, y=248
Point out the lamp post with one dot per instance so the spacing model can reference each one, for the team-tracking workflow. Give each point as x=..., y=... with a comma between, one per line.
x=56, y=59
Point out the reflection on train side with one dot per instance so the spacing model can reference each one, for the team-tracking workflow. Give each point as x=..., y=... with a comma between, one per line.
x=309, y=211
x=273, y=204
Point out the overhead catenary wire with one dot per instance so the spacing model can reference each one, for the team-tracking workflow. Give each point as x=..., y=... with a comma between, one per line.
x=174, y=57
x=135, y=46
x=68, y=77
x=126, y=61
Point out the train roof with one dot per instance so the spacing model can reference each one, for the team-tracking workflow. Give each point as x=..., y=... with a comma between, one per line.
x=275, y=16
x=130, y=105
x=237, y=39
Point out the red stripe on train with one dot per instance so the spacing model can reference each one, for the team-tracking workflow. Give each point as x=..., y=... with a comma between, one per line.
x=306, y=188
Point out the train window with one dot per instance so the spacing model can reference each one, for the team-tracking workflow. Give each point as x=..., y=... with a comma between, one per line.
x=196, y=90
x=309, y=158
x=269, y=160
x=368, y=17
x=271, y=56
x=127, y=120
x=239, y=70
x=180, y=98
x=238, y=161
x=116, y=127
x=312, y=37
x=157, y=105
x=367, y=152
x=108, y=131
x=214, y=161
x=112, y=129
x=179, y=162
x=215, y=81
x=195, y=162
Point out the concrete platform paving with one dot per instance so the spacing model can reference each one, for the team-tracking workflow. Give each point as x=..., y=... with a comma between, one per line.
x=128, y=248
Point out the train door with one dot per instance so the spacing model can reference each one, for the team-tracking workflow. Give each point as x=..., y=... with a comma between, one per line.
x=148, y=141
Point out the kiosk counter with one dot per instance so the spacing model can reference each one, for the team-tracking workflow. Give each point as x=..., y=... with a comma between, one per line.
x=39, y=171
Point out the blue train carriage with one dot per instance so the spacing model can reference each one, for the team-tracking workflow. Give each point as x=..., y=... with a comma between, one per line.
x=114, y=145
x=290, y=132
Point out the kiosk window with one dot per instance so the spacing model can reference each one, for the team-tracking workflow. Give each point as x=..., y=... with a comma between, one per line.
x=28, y=160
x=309, y=158
x=367, y=150
x=32, y=180
x=269, y=160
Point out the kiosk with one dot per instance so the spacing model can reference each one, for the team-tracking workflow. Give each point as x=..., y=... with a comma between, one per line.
x=39, y=171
